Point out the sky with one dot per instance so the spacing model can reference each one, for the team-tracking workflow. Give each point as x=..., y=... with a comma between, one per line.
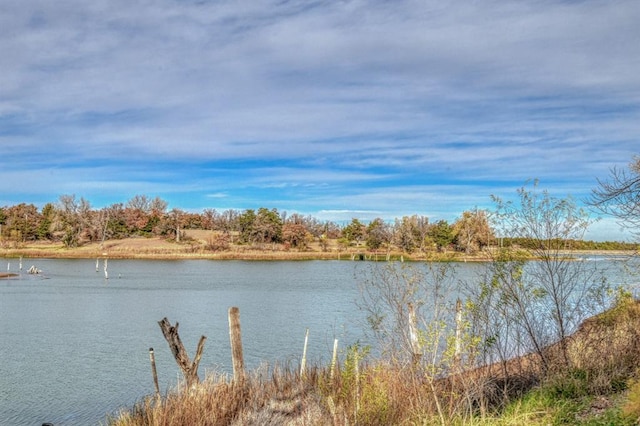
x=337, y=109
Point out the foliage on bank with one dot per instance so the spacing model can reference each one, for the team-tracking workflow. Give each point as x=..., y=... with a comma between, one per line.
x=601, y=387
x=74, y=223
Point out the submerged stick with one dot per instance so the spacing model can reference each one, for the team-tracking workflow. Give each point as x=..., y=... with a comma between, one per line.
x=152, y=358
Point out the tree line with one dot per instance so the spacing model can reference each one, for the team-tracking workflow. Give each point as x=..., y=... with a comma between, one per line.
x=73, y=222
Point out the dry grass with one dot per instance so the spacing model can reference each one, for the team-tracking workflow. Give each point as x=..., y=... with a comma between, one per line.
x=267, y=397
x=605, y=355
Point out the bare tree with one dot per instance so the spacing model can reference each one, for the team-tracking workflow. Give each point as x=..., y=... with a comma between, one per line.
x=74, y=218
x=619, y=196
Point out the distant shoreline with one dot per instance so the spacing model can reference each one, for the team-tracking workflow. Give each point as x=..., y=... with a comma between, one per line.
x=160, y=249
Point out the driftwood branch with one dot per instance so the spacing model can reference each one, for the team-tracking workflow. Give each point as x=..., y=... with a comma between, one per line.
x=189, y=369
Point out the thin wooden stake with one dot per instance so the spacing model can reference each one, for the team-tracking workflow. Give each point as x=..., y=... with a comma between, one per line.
x=154, y=371
x=303, y=364
x=356, y=361
x=458, y=347
x=334, y=358
x=235, y=336
x=416, y=350
x=106, y=274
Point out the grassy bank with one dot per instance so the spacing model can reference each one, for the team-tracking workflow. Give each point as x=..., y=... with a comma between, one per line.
x=600, y=387
x=195, y=247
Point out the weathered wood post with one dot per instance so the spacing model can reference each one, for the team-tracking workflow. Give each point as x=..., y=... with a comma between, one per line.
x=235, y=336
x=334, y=358
x=356, y=366
x=303, y=364
x=414, y=340
x=152, y=358
x=458, y=347
x=189, y=369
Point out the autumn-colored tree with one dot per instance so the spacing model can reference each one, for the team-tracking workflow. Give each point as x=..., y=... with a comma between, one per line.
x=378, y=234
x=218, y=241
x=72, y=217
x=295, y=235
x=472, y=231
x=144, y=215
x=192, y=221
x=209, y=219
x=229, y=221
x=410, y=232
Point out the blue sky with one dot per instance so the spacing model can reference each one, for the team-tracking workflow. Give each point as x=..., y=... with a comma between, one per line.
x=337, y=109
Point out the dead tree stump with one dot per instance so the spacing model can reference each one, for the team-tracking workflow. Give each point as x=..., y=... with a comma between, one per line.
x=189, y=369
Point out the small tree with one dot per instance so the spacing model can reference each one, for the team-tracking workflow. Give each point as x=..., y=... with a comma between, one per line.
x=539, y=296
x=267, y=226
x=295, y=235
x=410, y=311
x=403, y=304
x=354, y=231
x=246, y=226
x=442, y=234
x=377, y=234
x=73, y=218
x=472, y=231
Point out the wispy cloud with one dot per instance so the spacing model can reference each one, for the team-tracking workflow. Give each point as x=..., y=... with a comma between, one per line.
x=315, y=106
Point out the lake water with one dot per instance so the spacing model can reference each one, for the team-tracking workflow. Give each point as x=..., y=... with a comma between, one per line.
x=75, y=346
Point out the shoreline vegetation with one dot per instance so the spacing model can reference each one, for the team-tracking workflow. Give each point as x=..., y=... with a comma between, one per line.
x=600, y=389
x=194, y=245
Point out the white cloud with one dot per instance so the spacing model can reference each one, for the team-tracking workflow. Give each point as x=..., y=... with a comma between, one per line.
x=349, y=96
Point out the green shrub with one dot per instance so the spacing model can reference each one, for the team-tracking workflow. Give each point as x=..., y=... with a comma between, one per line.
x=631, y=408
